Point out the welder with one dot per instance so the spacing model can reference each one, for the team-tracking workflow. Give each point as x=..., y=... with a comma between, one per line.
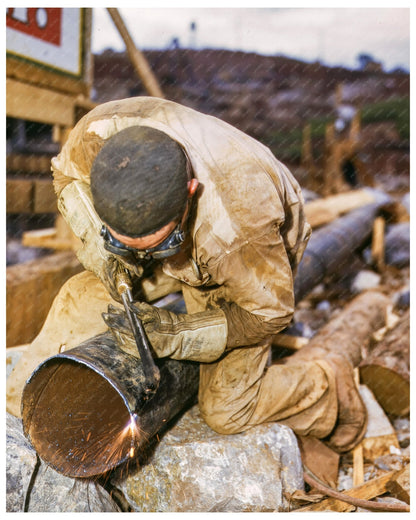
x=184, y=201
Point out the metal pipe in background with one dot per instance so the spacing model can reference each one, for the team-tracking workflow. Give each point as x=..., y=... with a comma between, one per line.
x=333, y=245
x=86, y=411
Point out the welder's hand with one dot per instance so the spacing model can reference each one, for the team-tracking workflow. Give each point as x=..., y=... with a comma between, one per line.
x=109, y=276
x=197, y=337
x=118, y=324
x=109, y=271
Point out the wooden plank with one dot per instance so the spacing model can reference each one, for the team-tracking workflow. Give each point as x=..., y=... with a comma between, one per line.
x=30, y=290
x=377, y=244
x=44, y=197
x=30, y=196
x=32, y=164
x=25, y=101
x=357, y=453
x=29, y=72
x=371, y=489
x=399, y=486
x=60, y=237
x=19, y=195
x=324, y=210
x=358, y=465
x=137, y=58
x=47, y=238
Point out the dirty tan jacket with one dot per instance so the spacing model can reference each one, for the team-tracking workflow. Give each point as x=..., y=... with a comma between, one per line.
x=248, y=231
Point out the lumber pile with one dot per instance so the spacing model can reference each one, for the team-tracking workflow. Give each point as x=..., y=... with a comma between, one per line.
x=31, y=288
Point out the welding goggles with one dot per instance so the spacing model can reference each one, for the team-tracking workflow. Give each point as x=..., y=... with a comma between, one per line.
x=170, y=246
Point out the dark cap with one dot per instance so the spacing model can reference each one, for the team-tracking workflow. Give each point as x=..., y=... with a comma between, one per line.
x=139, y=181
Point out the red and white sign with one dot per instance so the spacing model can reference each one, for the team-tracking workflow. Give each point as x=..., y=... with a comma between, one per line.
x=50, y=36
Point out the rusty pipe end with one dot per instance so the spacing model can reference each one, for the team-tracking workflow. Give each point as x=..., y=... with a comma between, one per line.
x=77, y=421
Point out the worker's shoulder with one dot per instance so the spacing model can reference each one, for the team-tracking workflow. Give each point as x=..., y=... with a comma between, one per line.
x=140, y=105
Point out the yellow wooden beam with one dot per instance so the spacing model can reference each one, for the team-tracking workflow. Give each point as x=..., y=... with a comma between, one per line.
x=25, y=101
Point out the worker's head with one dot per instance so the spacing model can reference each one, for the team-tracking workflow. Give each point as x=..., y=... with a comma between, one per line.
x=141, y=185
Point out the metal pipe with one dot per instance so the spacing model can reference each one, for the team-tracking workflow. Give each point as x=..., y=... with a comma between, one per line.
x=86, y=411
x=333, y=245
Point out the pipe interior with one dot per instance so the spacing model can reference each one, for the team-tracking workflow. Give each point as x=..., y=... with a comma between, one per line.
x=79, y=423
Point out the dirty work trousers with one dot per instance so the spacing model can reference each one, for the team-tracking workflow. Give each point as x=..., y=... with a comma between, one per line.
x=237, y=392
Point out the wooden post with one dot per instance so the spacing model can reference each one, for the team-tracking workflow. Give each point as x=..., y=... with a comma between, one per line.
x=138, y=59
x=358, y=459
x=377, y=245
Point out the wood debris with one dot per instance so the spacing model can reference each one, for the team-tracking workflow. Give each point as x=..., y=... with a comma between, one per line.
x=357, y=497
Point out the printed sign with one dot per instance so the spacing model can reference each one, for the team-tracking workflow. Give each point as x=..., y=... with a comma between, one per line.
x=49, y=36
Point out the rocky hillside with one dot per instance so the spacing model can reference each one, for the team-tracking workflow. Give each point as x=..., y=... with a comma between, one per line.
x=256, y=93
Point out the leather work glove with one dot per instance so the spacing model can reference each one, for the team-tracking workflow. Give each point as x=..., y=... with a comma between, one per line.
x=196, y=337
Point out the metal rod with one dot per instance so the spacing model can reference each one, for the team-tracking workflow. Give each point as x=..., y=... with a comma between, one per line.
x=151, y=371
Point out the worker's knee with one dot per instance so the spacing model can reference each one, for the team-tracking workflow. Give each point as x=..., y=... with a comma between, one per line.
x=221, y=422
x=76, y=283
x=223, y=411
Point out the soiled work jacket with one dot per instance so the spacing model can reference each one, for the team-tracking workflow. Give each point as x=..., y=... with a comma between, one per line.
x=247, y=233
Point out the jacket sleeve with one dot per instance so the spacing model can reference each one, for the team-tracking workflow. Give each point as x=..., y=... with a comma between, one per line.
x=75, y=205
x=71, y=184
x=258, y=283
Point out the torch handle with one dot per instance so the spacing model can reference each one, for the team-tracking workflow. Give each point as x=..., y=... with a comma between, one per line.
x=151, y=371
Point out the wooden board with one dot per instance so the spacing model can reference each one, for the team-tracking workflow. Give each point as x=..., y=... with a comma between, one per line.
x=324, y=210
x=368, y=490
x=29, y=164
x=29, y=102
x=19, y=196
x=44, y=198
x=30, y=196
x=30, y=290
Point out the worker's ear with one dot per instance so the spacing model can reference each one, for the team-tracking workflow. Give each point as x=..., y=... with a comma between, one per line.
x=192, y=187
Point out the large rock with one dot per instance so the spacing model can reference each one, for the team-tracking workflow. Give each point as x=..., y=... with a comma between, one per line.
x=194, y=469
x=34, y=487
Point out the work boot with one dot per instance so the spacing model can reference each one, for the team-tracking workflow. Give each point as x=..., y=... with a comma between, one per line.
x=351, y=423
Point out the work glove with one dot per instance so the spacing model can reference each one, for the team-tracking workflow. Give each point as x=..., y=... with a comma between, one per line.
x=198, y=337
x=75, y=205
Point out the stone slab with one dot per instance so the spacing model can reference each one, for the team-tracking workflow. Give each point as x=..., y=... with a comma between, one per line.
x=32, y=486
x=194, y=469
